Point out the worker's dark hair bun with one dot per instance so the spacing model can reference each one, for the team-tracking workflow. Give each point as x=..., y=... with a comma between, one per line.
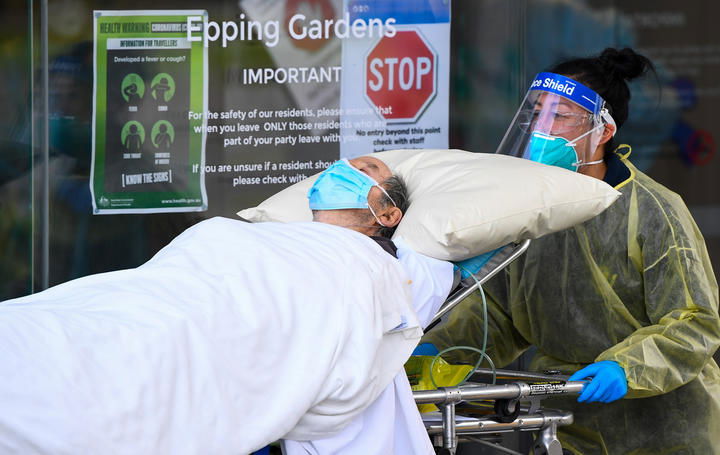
x=624, y=63
x=608, y=74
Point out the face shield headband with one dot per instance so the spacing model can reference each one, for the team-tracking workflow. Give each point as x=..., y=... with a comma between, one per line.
x=555, y=116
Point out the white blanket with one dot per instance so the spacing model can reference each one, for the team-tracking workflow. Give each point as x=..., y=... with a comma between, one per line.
x=391, y=425
x=232, y=336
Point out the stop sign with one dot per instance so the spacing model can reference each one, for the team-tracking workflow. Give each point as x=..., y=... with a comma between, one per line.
x=400, y=76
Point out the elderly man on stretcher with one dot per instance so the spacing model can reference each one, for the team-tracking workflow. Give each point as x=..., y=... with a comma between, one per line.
x=233, y=336
x=347, y=195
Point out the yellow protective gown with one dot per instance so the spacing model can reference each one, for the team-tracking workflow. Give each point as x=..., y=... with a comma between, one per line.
x=633, y=285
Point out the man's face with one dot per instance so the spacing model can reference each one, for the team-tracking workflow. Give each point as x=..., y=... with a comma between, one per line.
x=378, y=171
x=361, y=220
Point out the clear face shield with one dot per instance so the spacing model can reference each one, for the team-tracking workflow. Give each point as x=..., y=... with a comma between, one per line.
x=560, y=122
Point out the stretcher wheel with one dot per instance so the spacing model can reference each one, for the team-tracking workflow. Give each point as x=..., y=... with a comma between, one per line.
x=507, y=410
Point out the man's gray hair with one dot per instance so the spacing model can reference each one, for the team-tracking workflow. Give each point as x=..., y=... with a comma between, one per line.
x=397, y=190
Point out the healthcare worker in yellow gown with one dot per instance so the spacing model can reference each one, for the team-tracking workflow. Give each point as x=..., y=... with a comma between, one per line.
x=627, y=299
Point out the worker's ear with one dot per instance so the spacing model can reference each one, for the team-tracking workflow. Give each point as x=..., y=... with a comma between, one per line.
x=391, y=216
x=607, y=133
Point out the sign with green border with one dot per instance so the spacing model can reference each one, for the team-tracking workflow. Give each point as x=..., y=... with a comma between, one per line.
x=148, y=146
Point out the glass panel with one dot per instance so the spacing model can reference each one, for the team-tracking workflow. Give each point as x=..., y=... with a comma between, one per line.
x=497, y=46
x=675, y=133
x=486, y=72
x=15, y=150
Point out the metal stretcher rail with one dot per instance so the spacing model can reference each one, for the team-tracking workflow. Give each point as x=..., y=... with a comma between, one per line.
x=521, y=419
x=514, y=391
x=530, y=422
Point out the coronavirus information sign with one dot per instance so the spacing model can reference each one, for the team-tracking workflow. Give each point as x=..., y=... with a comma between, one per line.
x=148, y=151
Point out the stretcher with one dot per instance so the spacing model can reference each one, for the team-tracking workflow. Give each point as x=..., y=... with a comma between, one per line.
x=492, y=402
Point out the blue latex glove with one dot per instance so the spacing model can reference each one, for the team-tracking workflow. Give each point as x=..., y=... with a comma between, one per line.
x=473, y=265
x=426, y=349
x=608, y=382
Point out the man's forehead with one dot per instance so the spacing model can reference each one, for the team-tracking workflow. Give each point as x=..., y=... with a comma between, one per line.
x=371, y=165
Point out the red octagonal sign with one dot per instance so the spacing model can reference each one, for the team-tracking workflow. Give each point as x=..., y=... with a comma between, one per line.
x=400, y=77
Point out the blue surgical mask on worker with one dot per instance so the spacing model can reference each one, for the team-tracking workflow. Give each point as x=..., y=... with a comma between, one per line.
x=557, y=151
x=342, y=186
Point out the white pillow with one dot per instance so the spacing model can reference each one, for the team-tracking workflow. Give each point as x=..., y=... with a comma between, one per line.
x=463, y=204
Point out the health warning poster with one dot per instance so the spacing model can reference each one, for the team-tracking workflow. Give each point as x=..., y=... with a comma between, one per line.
x=150, y=77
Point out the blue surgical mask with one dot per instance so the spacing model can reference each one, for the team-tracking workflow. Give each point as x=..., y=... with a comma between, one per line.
x=552, y=150
x=557, y=151
x=342, y=186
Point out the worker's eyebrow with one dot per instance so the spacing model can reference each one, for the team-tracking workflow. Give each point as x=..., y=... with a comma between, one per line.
x=539, y=104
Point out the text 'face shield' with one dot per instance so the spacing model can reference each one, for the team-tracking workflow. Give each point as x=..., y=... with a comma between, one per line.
x=560, y=122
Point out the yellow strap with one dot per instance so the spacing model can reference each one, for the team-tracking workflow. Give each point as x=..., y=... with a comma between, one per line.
x=623, y=157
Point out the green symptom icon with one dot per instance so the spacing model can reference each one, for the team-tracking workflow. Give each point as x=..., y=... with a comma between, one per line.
x=133, y=88
x=162, y=87
x=133, y=136
x=163, y=135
